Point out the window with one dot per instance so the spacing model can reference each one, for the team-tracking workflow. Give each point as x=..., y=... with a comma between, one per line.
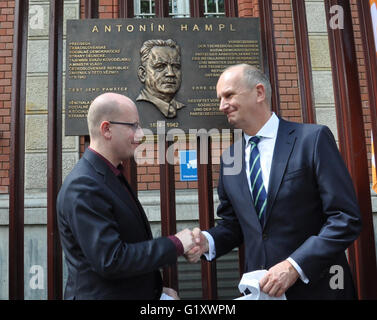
x=178, y=8
x=214, y=8
x=144, y=8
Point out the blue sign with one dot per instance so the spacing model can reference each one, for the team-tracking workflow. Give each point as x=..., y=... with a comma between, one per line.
x=188, y=165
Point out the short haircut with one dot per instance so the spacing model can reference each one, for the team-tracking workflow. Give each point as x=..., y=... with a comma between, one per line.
x=253, y=76
x=149, y=44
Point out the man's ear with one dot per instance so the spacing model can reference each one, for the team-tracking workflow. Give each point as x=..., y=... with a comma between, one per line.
x=141, y=73
x=105, y=130
x=261, y=92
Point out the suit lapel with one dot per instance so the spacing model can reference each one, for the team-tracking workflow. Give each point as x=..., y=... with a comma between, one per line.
x=139, y=207
x=118, y=188
x=283, y=148
x=128, y=198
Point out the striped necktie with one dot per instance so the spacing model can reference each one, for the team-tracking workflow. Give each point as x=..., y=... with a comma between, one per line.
x=256, y=180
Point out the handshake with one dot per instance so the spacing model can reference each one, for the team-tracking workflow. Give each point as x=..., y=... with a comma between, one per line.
x=194, y=242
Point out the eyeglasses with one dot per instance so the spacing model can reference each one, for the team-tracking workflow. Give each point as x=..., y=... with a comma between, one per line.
x=134, y=125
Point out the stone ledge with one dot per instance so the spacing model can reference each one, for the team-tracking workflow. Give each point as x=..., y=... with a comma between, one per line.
x=187, y=209
x=36, y=206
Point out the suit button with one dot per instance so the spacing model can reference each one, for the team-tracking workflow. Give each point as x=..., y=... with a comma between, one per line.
x=264, y=236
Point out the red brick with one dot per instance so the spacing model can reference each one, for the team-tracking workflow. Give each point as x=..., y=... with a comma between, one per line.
x=4, y=174
x=142, y=186
x=153, y=186
x=153, y=170
x=146, y=178
x=3, y=189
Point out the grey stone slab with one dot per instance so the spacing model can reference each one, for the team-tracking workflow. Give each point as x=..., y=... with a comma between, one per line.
x=316, y=17
x=37, y=57
x=319, y=52
x=36, y=132
x=35, y=172
x=327, y=116
x=4, y=262
x=35, y=262
x=36, y=169
x=38, y=19
x=70, y=12
x=69, y=160
x=36, y=94
x=323, y=87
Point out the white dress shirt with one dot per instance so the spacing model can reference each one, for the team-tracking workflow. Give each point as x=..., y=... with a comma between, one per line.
x=266, y=145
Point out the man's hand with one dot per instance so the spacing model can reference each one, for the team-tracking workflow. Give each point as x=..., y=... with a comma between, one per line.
x=278, y=279
x=187, y=239
x=201, y=246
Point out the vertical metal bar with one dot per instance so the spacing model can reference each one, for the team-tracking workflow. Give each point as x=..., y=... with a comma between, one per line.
x=196, y=8
x=54, y=148
x=17, y=153
x=205, y=191
x=206, y=212
x=231, y=8
x=91, y=9
x=352, y=143
x=232, y=11
x=168, y=210
x=167, y=182
x=126, y=8
x=366, y=28
x=268, y=49
x=162, y=8
x=303, y=61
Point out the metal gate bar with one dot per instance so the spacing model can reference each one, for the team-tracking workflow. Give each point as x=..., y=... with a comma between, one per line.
x=348, y=106
x=303, y=61
x=17, y=154
x=268, y=49
x=167, y=182
x=54, y=149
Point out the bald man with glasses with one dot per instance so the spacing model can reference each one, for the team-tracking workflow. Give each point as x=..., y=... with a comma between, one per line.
x=106, y=237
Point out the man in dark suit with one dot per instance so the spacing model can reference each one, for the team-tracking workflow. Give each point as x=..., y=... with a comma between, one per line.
x=293, y=203
x=105, y=234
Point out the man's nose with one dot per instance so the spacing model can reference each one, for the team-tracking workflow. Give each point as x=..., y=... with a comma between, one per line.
x=169, y=70
x=139, y=134
x=223, y=105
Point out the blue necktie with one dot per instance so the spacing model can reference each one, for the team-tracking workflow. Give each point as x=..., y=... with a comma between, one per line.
x=256, y=180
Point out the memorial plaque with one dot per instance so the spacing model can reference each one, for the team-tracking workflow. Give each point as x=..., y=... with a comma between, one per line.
x=169, y=67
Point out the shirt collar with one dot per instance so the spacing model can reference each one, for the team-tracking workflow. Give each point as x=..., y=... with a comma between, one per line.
x=269, y=130
x=116, y=171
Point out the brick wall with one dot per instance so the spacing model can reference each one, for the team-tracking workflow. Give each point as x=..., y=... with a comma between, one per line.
x=6, y=51
x=362, y=79
x=248, y=8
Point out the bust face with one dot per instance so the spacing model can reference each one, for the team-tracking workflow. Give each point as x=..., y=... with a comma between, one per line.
x=163, y=72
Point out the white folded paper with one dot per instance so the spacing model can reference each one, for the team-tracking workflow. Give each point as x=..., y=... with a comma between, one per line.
x=165, y=296
x=250, y=281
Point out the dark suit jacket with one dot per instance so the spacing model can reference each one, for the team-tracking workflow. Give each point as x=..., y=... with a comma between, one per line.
x=106, y=237
x=312, y=213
